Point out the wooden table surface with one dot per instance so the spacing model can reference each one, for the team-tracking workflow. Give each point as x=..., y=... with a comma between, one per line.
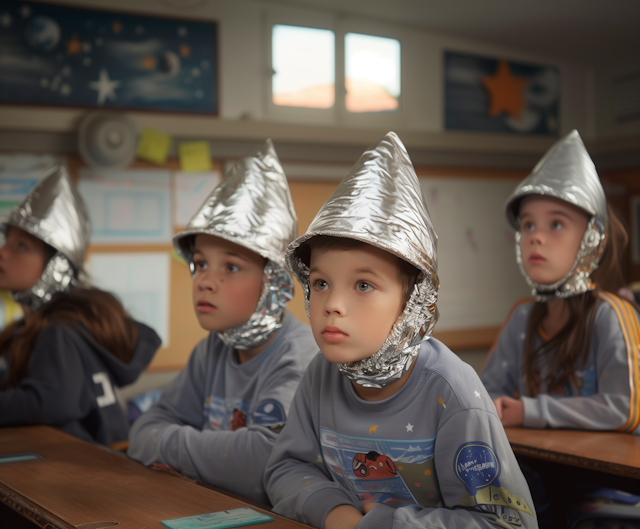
x=610, y=452
x=79, y=483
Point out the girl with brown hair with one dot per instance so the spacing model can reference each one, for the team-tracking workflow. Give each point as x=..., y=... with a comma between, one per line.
x=60, y=363
x=569, y=358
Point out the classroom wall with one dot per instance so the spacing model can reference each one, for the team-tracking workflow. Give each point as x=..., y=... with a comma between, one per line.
x=244, y=67
x=606, y=78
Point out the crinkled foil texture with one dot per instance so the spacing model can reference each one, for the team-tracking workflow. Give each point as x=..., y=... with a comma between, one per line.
x=54, y=213
x=394, y=358
x=578, y=279
x=269, y=314
x=58, y=277
x=566, y=172
x=251, y=207
x=380, y=203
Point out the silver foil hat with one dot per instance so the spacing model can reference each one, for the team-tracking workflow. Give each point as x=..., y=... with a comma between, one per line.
x=251, y=207
x=380, y=203
x=54, y=212
x=566, y=172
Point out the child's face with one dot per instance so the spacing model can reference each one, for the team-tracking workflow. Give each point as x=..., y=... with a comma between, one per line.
x=22, y=260
x=552, y=230
x=356, y=297
x=227, y=283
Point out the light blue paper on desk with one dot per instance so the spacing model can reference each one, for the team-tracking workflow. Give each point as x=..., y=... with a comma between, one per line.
x=219, y=520
x=16, y=458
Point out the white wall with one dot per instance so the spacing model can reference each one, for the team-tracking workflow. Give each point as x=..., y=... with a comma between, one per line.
x=605, y=78
x=243, y=69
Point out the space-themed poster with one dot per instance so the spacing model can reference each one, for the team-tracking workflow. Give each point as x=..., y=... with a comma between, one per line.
x=59, y=55
x=499, y=95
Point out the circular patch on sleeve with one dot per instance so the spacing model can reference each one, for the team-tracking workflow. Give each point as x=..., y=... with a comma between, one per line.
x=477, y=466
x=269, y=413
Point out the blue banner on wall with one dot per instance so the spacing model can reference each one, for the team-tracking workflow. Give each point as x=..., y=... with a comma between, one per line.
x=56, y=55
x=495, y=95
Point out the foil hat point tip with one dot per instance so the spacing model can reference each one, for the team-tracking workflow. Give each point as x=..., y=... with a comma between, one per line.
x=255, y=184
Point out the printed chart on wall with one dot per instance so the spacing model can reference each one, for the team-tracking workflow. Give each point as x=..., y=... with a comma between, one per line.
x=141, y=282
x=479, y=277
x=128, y=207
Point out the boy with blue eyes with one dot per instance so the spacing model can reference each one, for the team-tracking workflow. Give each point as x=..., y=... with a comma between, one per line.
x=218, y=420
x=388, y=428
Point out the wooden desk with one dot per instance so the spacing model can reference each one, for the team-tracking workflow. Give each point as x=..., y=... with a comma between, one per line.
x=609, y=452
x=79, y=483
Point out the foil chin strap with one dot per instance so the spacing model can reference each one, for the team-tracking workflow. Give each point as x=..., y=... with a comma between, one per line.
x=58, y=277
x=578, y=279
x=398, y=351
x=269, y=314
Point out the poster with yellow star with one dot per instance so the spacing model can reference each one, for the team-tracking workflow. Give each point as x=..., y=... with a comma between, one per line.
x=499, y=95
x=63, y=55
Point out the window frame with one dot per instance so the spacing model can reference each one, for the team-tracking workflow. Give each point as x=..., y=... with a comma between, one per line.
x=290, y=113
x=338, y=115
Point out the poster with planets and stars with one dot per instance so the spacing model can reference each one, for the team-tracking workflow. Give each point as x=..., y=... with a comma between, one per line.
x=496, y=95
x=58, y=55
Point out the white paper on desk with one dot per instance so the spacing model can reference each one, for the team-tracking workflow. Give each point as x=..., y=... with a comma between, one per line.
x=128, y=206
x=192, y=189
x=141, y=281
x=18, y=174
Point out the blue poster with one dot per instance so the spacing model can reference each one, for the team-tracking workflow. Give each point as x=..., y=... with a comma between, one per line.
x=55, y=55
x=496, y=95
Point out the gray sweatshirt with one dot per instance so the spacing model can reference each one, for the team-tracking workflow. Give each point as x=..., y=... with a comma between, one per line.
x=433, y=455
x=218, y=420
x=605, y=395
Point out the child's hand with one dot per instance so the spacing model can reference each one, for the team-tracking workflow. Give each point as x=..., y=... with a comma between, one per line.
x=367, y=506
x=510, y=411
x=342, y=517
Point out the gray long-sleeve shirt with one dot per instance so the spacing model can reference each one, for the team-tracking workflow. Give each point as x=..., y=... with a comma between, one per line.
x=433, y=455
x=218, y=420
x=605, y=395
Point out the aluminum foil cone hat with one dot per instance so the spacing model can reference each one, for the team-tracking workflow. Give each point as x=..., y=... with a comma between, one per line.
x=566, y=172
x=54, y=212
x=380, y=203
x=251, y=207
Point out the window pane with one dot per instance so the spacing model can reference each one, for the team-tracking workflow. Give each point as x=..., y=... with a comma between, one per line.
x=372, y=73
x=304, y=64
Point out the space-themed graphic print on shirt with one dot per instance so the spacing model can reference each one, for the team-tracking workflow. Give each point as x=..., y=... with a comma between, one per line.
x=389, y=471
x=231, y=414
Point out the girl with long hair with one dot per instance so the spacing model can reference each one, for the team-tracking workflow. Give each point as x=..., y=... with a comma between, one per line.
x=568, y=358
x=60, y=363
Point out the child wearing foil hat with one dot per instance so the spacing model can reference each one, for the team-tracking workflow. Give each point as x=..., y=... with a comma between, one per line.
x=388, y=428
x=569, y=358
x=219, y=419
x=60, y=363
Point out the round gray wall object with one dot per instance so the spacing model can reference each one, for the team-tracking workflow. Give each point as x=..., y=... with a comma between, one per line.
x=107, y=139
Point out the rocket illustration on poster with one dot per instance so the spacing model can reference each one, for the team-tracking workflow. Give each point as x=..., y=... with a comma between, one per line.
x=56, y=55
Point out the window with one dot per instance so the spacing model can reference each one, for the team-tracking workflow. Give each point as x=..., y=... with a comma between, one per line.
x=303, y=63
x=372, y=73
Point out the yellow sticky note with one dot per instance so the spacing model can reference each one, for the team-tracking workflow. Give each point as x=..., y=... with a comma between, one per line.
x=195, y=156
x=153, y=146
